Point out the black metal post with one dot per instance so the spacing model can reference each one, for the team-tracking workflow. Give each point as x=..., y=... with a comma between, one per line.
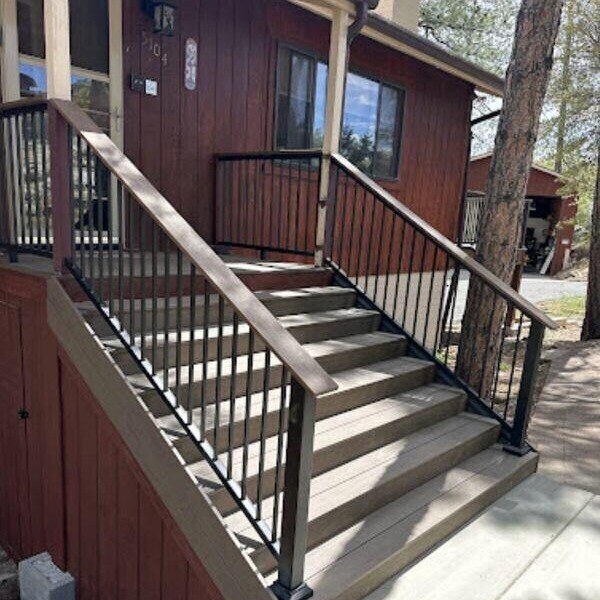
x=533, y=353
x=290, y=584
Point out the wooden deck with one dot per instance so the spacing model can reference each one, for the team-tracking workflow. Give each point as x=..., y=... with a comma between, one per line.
x=539, y=542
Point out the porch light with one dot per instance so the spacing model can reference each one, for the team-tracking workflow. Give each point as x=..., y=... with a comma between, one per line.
x=163, y=14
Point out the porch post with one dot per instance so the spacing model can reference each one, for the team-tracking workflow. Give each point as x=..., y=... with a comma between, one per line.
x=11, y=89
x=58, y=48
x=338, y=54
x=58, y=67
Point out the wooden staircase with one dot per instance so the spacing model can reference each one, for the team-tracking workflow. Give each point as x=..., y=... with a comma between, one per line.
x=398, y=464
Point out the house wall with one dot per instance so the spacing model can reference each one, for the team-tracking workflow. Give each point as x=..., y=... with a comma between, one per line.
x=68, y=483
x=173, y=137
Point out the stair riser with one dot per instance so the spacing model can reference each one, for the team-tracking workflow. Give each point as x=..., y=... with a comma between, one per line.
x=277, y=305
x=344, y=516
x=414, y=549
x=315, y=332
x=338, y=361
x=338, y=454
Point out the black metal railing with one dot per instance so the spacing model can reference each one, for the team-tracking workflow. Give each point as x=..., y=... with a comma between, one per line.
x=268, y=201
x=241, y=387
x=26, y=207
x=420, y=281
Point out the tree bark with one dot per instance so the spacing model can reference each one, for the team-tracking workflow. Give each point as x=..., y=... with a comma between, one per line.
x=591, y=324
x=499, y=235
x=565, y=88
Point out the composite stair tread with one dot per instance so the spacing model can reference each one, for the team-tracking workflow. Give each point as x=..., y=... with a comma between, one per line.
x=357, y=479
x=356, y=386
x=352, y=426
x=356, y=561
x=318, y=350
x=290, y=322
x=265, y=296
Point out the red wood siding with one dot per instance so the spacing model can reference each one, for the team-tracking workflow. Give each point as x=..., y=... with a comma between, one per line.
x=68, y=483
x=173, y=137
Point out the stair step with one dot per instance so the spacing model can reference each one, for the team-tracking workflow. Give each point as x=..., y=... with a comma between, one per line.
x=334, y=355
x=279, y=302
x=348, y=493
x=406, y=379
x=306, y=328
x=358, y=560
x=343, y=437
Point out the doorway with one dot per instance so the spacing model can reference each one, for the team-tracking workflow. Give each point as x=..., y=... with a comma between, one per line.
x=96, y=57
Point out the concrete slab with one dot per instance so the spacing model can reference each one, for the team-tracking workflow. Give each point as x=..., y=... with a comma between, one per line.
x=565, y=428
x=496, y=551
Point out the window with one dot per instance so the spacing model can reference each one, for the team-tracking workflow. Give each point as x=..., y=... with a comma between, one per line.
x=372, y=114
x=89, y=51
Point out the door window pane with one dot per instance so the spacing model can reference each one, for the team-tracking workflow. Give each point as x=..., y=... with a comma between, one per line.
x=30, y=25
x=90, y=94
x=89, y=32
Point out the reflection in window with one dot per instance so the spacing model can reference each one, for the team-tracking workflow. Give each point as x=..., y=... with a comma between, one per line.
x=89, y=32
x=91, y=94
x=372, y=114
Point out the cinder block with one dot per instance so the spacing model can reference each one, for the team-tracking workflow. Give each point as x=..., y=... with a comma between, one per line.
x=41, y=579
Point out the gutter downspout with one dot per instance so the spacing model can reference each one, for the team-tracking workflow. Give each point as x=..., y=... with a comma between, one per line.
x=362, y=15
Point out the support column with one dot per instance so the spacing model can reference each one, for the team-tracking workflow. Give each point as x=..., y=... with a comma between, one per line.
x=336, y=83
x=10, y=51
x=58, y=48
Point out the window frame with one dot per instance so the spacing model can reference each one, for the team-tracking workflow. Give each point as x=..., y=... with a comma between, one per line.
x=382, y=82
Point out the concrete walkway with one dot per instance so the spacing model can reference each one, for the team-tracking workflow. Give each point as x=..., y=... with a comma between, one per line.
x=565, y=428
x=539, y=542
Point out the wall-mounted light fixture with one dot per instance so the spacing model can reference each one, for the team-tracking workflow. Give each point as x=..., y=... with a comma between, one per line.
x=163, y=15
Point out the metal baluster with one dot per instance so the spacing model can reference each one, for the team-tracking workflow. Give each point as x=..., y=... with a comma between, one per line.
x=167, y=309
x=419, y=287
x=451, y=315
x=361, y=229
x=131, y=270
x=263, y=433
x=111, y=257
x=513, y=365
x=90, y=213
x=389, y=260
x=379, y=249
x=45, y=191
x=178, y=325
x=400, y=265
x=192, y=343
x=36, y=175
x=430, y=297
x=221, y=317
x=27, y=142
x=205, y=334
x=247, y=414
x=80, y=186
x=143, y=307
x=100, y=202
x=232, y=395
x=121, y=219
x=409, y=278
x=281, y=432
x=154, y=236
x=499, y=361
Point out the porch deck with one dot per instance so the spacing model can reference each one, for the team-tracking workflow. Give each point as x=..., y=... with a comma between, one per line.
x=556, y=529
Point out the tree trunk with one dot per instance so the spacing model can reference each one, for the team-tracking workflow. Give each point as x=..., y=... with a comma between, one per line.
x=499, y=236
x=565, y=88
x=591, y=324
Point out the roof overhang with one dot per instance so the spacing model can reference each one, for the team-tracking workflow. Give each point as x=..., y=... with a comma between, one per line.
x=403, y=40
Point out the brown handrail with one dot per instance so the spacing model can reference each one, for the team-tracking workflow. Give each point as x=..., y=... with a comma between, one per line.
x=309, y=374
x=469, y=263
x=21, y=105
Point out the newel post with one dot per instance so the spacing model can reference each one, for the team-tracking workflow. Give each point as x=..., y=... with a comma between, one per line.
x=525, y=400
x=290, y=583
x=60, y=177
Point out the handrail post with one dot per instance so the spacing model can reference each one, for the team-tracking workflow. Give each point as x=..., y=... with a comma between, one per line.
x=525, y=399
x=290, y=583
x=60, y=186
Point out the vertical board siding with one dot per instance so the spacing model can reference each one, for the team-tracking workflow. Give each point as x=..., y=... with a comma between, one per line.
x=122, y=542
x=31, y=491
x=68, y=483
x=173, y=138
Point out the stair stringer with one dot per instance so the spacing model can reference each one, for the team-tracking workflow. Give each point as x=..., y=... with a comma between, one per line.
x=199, y=521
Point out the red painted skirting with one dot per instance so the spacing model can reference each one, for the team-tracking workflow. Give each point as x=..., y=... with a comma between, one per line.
x=68, y=483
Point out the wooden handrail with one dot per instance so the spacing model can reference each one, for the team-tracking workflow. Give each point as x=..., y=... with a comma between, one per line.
x=469, y=263
x=22, y=105
x=305, y=369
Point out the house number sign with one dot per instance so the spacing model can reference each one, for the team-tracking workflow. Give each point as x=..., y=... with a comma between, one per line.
x=191, y=64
